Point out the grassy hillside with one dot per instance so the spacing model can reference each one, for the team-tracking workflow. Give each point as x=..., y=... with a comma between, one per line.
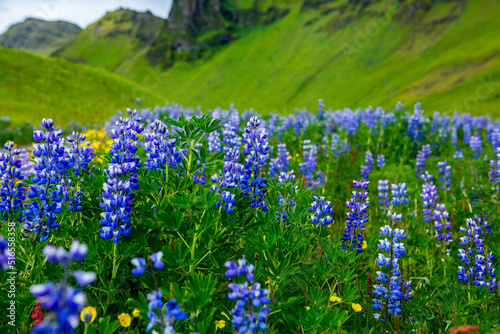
x=34, y=87
x=38, y=36
x=113, y=39
x=350, y=55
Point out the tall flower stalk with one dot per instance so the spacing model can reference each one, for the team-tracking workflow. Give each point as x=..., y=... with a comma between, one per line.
x=356, y=217
x=62, y=301
x=46, y=192
x=391, y=287
x=11, y=183
x=250, y=311
x=256, y=149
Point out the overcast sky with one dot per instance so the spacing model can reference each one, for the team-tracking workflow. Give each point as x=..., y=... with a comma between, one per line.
x=80, y=12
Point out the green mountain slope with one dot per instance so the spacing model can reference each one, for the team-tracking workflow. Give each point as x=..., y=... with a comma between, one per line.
x=33, y=87
x=350, y=53
x=38, y=36
x=113, y=39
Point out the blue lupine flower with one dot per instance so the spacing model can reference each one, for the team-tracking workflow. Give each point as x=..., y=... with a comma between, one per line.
x=476, y=266
x=390, y=290
x=398, y=194
x=160, y=148
x=281, y=163
x=383, y=194
x=356, y=218
x=63, y=302
x=441, y=223
x=288, y=203
x=321, y=110
x=459, y=154
x=172, y=311
x=420, y=163
x=399, y=106
x=308, y=166
x=255, y=318
x=78, y=156
x=140, y=266
x=158, y=313
x=256, y=149
x=214, y=142
x=467, y=133
x=11, y=192
x=322, y=211
x=46, y=192
x=476, y=146
x=454, y=137
x=232, y=177
x=494, y=172
x=367, y=168
x=426, y=150
x=230, y=141
x=337, y=148
x=380, y=161
x=118, y=190
x=7, y=257
x=445, y=172
x=415, y=124
x=429, y=199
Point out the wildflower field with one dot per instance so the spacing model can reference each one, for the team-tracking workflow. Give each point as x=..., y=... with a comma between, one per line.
x=175, y=220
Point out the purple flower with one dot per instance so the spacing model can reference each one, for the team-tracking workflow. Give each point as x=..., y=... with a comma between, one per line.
x=63, y=302
x=47, y=191
x=11, y=192
x=322, y=211
x=118, y=190
x=255, y=318
x=391, y=288
x=356, y=218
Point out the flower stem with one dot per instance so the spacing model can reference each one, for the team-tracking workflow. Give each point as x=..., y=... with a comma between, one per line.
x=115, y=269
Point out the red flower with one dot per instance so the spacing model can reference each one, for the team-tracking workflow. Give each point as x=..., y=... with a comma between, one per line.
x=465, y=329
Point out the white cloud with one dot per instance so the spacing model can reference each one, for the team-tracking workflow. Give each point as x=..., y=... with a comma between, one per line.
x=80, y=12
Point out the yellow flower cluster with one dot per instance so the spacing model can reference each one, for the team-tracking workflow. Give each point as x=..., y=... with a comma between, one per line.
x=99, y=142
x=125, y=319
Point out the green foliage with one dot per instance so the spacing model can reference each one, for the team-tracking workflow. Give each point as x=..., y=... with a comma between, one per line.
x=313, y=281
x=63, y=91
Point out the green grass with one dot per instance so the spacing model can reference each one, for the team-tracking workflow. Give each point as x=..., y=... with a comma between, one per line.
x=290, y=64
x=34, y=87
x=111, y=41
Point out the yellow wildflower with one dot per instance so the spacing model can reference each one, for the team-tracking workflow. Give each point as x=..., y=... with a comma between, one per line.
x=90, y=310
x=356, y=307
x=135, y=313
x=125, y=319
x=307, y=308
x=335, y=299
x=220, y=324
x=365, y=244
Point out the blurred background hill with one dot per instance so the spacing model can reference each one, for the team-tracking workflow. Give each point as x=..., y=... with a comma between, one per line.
x=273, y=55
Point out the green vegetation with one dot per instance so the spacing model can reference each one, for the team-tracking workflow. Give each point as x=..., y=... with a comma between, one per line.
x=113, y=40
x=38, y=36
x=35, y=87
x=440, y=57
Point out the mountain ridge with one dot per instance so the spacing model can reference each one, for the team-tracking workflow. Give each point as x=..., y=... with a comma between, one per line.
x=38, y=36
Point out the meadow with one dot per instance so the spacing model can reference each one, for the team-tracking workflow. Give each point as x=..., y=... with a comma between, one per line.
x=176, y=220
